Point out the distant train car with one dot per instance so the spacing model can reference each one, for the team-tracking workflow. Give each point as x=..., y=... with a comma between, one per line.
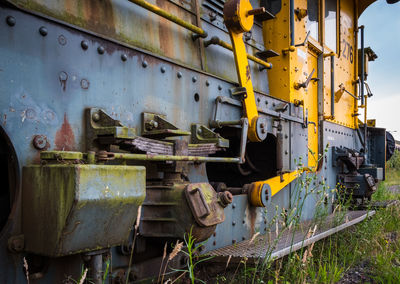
x=126, y=125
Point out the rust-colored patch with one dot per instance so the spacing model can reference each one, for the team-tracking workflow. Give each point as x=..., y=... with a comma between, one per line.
x=99, y=16
x=248, y=73
x=165, y=32
x=252, y=218
x=65, y=138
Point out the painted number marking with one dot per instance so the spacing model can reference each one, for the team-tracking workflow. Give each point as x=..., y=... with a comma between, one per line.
x=347, y=51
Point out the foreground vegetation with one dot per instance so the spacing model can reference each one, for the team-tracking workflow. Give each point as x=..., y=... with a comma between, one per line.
x=366, y=253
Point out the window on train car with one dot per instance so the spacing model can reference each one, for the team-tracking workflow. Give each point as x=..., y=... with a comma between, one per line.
x=313, y=18
x=331, y=24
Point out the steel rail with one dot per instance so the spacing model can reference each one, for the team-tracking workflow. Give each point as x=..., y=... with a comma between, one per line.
x=217, y=41
x=157, y=10
x=162, y=158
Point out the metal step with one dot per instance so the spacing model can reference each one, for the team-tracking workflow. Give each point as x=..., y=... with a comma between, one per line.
x=274, y=246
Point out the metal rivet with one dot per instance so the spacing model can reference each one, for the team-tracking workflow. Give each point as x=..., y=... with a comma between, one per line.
x=207, y=83
x=286, y=152
x=219, y=87
x=11, y=21
x=286, y=136
x=244, y=222
x=214, y=243
x=179, y=74
x=144, y=64
x=234, y=205
x=163, y=69
x=84, y=44
x=243, y=238
x=124, y=57
x=194, y=79
x=258, y=100
x=43, y=31
x=214, y=234
x=100, y=50
x=266, y=102
x=233, y=223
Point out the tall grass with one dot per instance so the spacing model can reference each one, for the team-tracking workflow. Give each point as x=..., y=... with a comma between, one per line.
x=374, y=242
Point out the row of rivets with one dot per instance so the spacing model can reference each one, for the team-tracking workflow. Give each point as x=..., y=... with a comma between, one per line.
x=100, y=50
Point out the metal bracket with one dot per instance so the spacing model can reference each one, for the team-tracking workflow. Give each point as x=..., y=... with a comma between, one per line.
x=202, y=134
x=156, y=126
x=243, y=137
x=102, y=129
x=304, y=85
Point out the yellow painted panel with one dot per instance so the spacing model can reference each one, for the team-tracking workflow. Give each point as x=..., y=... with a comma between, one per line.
x=345, y=105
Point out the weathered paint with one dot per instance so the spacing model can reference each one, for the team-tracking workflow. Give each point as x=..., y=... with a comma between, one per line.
x=86, y=207
x=37, y=98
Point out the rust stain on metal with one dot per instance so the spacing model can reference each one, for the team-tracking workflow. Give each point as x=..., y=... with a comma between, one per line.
x=65, y=138
x=99, y=15
x=63, y=77
x=248, y=73
x=165, y=32
x=252, y=218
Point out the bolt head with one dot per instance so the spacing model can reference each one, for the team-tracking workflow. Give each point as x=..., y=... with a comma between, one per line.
x=40, y=142
x=144, y=64
x=179, y=74
x=84, y=44
x=219, y=87
x=124, y=57
x=194, y=79
x=207, y=83
x=96, y=117
x=100, y=50
x=10, y=20
x=163, y=69
x=43, y=31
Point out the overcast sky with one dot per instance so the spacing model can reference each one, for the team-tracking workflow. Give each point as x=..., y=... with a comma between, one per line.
x=382, y=34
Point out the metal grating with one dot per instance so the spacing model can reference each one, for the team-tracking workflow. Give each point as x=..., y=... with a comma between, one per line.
x=290, y=240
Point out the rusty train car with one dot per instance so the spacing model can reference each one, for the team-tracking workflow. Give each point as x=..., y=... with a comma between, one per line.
x=126, y=124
